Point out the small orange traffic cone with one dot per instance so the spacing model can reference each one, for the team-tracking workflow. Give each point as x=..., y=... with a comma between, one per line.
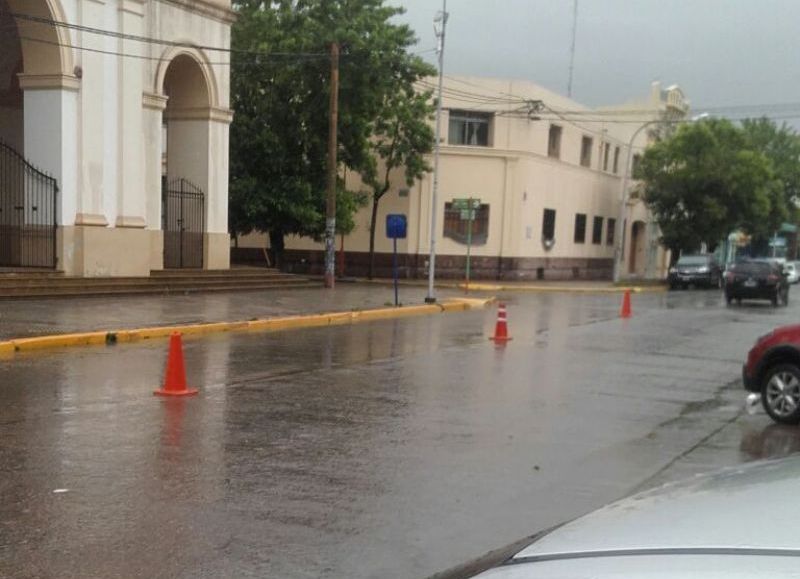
x=501, y=327
x=626, y=312
x=175, y=378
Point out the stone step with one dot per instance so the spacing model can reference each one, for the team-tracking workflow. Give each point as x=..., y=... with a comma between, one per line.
x=163, y=289
x=7, y=282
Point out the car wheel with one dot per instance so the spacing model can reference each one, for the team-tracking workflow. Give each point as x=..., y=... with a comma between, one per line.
x=780, y=393
x=738, y=301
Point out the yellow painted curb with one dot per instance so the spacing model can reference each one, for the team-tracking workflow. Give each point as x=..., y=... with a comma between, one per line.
x=562, y=289
x=265, y=325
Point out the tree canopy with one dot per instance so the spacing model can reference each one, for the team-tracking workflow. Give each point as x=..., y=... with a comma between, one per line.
x=712, y=177
x=280, y=96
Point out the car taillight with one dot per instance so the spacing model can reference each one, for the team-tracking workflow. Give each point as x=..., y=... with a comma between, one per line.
x=772, y=277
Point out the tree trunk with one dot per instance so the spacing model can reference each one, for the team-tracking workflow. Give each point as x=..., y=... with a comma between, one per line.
x=372, y=226
x=277, y=246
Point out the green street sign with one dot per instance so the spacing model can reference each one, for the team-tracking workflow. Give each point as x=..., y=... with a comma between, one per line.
x=463, y=204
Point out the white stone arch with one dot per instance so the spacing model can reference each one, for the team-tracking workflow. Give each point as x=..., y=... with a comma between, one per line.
x=186, y=92
x=203, y=64
x=46, y=48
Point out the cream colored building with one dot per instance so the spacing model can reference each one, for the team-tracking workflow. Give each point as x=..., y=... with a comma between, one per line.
x=549, y=185
x=111, y=116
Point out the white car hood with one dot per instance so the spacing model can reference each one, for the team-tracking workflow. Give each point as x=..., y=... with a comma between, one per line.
x=749, y=507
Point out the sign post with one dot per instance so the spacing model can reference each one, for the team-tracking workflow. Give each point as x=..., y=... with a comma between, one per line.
x=396, y=226
x=467, y=208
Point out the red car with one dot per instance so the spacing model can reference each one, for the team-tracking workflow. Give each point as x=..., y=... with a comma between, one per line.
x=773, y=371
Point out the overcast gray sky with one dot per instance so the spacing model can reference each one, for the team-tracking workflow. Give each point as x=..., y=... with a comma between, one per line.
x=721, y=52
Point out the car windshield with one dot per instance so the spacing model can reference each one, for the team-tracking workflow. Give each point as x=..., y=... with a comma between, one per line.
x=693, y=260
x=753, y=267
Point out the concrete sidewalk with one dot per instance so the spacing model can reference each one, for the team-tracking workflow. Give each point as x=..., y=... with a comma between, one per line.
x=41, y=317
x=484, y=286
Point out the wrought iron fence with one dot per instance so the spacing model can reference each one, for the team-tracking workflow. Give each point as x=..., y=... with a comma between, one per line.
x=28, y=213
x=184, y=224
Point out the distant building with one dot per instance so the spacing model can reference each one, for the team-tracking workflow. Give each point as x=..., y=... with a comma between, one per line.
x=128, y=118
x=549, y=186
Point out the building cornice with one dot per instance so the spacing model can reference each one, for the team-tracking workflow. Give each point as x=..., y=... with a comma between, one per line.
x=215, y=114
x=91, y=220
x=207, y=8
x=48, y=82
x=130, y=222
x=154, y=101
x=135, y=7
x=516, y=155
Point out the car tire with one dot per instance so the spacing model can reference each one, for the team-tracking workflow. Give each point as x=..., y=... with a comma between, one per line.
x=780, y=393
x=738, y=301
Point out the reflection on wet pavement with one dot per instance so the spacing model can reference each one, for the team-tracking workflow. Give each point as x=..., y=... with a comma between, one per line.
x=393, y=449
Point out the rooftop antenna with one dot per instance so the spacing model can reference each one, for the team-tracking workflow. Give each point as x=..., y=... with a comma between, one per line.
x=572, y=48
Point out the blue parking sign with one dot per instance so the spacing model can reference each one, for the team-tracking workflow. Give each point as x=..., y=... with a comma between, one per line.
x=396, y=226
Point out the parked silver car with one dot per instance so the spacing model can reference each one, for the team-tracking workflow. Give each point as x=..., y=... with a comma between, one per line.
x=738, y=523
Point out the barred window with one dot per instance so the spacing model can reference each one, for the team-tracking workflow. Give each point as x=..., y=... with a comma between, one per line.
x=611, y=226
x=580, y=227
x=549, y=224
x=456, y=224
x=597, y=231
x=586, y=152
x=469, y=128
x=554, y=142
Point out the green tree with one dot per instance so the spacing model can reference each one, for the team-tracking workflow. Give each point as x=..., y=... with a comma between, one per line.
x=704, y=182
x=781, y=145
x=402, y=137
x=280, y=129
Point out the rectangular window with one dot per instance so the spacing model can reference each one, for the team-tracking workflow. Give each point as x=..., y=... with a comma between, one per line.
x=580, y=227
x=616, y=160
x=606, y=154
x=456, y=224
x=611, y=226
x=586, y=152
x=549, y=224
x=637, y=158
x=554, y=142
x=469, y=128
x=597, y=231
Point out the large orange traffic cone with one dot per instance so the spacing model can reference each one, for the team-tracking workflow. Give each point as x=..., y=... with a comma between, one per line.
x=626, y=312
x=175, y=378
x=501, y=327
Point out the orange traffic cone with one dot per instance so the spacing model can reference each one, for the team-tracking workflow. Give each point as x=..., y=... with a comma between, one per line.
x=626, y=312
x=175, y=378
x=501, y=327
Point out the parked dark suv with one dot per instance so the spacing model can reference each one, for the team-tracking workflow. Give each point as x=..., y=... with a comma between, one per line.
x=757, y=280
x=699, y=270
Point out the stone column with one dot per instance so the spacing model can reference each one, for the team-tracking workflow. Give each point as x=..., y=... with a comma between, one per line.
x=131, y=183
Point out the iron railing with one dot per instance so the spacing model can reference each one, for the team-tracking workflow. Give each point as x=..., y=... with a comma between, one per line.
x=183, y=210
x=28, y=213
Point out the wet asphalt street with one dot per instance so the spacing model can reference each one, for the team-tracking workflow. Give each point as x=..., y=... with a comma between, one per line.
x=390, y=449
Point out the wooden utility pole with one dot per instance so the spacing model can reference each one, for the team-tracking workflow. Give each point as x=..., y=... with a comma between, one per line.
x=330, y=214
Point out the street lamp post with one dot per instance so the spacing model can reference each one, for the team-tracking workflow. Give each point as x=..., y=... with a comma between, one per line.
x=619, y=251
x=440, y=26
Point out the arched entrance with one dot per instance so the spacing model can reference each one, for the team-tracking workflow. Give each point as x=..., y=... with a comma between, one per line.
x=32, y=76
x=185, y=160
x=638, y=247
